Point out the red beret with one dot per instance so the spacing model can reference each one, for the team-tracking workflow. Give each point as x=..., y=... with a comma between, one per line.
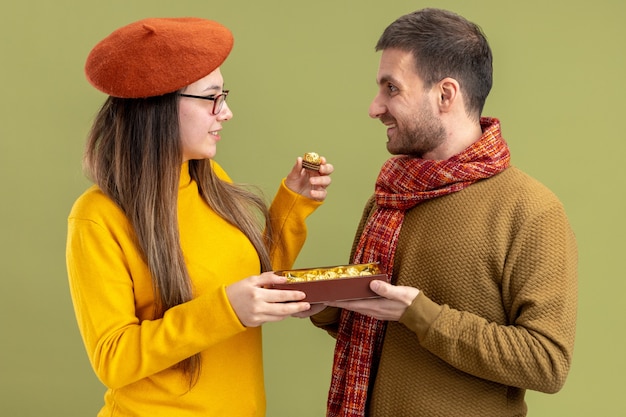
x=156, y=56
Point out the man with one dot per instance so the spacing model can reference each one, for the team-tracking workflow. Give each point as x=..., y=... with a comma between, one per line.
x=482, y=300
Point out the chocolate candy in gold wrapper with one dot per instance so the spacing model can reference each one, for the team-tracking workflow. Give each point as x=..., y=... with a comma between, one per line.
x=311, y=161
x=335, y=272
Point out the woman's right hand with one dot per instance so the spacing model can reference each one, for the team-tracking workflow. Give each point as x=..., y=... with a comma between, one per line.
x=255, y=303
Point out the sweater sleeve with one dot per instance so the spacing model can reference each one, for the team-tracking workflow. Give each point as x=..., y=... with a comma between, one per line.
x=288, y=213
x=539, y=292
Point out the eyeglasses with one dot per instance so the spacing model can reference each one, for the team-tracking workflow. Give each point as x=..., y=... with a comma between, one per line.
x=218, y=100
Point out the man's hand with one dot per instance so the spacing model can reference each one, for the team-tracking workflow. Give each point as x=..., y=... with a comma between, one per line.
x=394, y=301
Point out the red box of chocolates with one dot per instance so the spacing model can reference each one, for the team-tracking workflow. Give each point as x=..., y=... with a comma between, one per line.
x=333, y=283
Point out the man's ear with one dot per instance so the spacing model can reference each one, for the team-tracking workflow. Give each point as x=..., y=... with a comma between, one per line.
x=449, y=92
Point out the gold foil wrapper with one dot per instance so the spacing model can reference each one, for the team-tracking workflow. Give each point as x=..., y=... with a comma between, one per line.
x=311, y=160
x=328, y=273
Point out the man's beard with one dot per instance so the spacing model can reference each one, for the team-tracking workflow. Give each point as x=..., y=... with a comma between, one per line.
x=422, y=134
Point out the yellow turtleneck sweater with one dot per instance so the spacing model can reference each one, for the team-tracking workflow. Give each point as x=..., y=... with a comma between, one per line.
x=132, y=353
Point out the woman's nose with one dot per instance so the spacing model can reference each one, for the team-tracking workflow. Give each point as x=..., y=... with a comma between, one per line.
x=225, y=113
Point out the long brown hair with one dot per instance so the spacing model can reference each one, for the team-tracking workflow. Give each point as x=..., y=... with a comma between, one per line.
x=134, y=155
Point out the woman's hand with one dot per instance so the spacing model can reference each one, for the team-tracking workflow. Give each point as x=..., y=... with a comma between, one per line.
x=255, y=303
x=315, y=308
x=308, y=183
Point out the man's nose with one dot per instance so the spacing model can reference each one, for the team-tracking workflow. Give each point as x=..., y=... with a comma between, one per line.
x=376, y=108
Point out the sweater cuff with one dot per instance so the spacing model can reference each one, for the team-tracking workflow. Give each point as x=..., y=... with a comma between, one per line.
x=420, y=315
x=286, y=199
x=217, y=319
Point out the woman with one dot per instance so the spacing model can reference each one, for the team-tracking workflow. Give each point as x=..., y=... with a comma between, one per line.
x=168, y=261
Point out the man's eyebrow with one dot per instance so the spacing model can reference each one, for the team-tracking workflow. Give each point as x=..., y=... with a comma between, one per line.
x=387, y=79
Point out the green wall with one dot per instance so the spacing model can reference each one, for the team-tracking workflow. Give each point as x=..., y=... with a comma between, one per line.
x=302, y=76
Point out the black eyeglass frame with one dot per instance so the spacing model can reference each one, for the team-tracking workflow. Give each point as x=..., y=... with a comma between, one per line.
x=218, y=101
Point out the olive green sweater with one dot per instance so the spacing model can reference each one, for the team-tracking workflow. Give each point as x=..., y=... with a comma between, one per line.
x=496, y=264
